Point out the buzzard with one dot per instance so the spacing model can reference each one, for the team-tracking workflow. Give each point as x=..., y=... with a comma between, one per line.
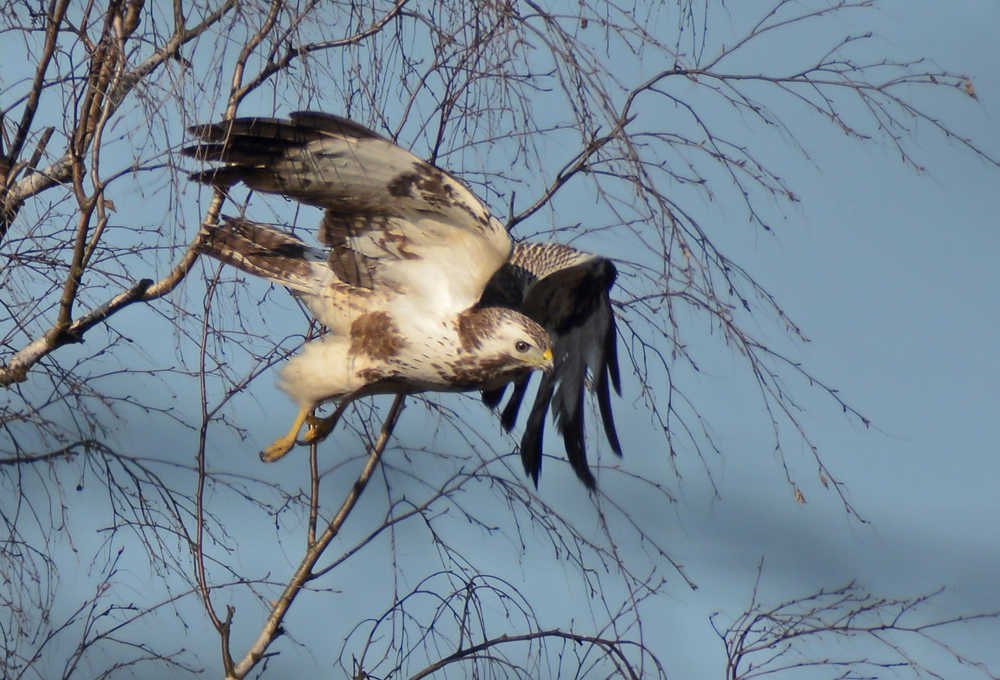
x=420, y=288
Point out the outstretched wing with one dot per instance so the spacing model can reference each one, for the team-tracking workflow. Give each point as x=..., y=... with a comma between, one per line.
x=392, y=220
x=567, y=292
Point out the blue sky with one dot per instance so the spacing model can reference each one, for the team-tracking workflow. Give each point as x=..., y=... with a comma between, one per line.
x=892, y=274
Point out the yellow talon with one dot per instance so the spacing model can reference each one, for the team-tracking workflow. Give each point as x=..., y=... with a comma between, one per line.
x=319, y=428
x=283, y=445
x=278, y=449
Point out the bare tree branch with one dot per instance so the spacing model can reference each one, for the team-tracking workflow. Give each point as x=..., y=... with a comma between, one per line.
x=303, y=574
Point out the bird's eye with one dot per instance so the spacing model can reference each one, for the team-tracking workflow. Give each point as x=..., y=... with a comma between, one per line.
x=521, y=346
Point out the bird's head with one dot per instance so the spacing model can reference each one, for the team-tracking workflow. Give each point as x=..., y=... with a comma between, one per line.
x=525, y=342
x=506, y=341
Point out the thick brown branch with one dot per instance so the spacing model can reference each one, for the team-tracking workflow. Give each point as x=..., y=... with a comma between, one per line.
x=16, y=369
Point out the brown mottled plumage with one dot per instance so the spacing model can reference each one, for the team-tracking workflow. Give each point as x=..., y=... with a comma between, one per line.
x=419, y=286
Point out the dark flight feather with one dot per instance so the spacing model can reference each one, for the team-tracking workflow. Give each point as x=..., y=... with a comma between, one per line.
x=571, y=301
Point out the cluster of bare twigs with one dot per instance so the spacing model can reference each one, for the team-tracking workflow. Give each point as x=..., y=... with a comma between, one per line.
x=859, y=634
x=97, y=267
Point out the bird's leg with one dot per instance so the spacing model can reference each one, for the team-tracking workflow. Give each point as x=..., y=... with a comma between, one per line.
x=284, y=444
x=320, y=428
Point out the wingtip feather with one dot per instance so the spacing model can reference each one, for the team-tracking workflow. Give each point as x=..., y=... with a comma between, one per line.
x=509, y=416
x=534, y=430
x=607, y=417
x=492, y=398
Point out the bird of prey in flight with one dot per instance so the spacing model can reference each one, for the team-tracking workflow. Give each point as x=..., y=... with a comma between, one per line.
x=419, y=287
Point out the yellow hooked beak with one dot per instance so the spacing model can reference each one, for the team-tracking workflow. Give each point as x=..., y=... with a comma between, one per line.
x=546, y=363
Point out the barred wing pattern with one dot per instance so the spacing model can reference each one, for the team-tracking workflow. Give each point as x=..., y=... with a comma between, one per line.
x=391, y=219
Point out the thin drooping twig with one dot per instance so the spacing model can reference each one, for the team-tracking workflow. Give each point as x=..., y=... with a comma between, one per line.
x=304, y=573
x=611, y=648
x=278, y=64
